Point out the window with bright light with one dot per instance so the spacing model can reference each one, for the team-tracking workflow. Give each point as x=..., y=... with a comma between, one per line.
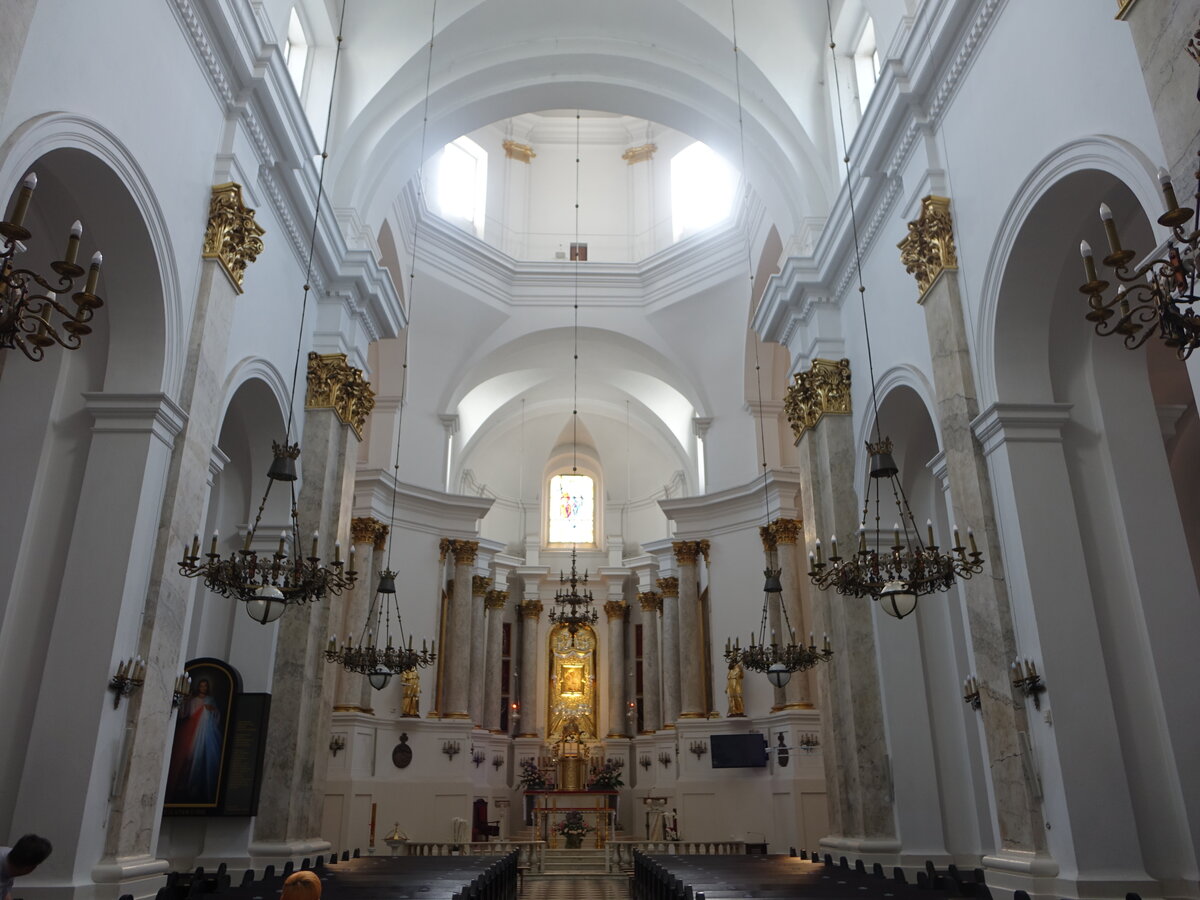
x=572, y=510
x=461, y=187
x=295, y=50
x=866, y=65
x=703, y=186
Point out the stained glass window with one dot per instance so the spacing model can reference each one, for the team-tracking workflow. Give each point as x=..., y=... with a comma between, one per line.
x=571, y=509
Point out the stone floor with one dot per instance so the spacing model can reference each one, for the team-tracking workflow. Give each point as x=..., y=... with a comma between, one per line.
x=553, y=887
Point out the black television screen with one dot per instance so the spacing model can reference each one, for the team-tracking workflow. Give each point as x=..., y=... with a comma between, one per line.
x=738, y=751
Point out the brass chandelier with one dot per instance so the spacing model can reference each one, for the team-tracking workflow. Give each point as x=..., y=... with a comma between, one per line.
x=1157, y=297
x=270, y=585
x=29, y=301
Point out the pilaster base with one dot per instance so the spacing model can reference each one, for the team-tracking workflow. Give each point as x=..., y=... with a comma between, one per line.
x=276, y=853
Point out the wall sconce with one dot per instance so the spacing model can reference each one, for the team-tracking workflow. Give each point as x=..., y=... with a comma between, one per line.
x=478, y=757
x=497, y=761
x=971, y=692
x=451, y=748
x=336, y=743
x=183, y=687
x=809, y=742
x=644, y=761
x=130, y=676
x=699, y=748
x=664, y=757
x=1027, y=680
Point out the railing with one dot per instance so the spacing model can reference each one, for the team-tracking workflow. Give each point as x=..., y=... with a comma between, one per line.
x=533, y=853
x=619, y=854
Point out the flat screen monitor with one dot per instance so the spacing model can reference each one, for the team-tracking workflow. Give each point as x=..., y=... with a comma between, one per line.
x=738, y=751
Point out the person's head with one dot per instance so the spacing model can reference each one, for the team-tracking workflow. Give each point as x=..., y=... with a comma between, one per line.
x=202, y=687
x=301, y=886
x=27, y=854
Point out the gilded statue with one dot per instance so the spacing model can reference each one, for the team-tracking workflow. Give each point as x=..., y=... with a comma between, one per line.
x=733, y=689
x=411, y=704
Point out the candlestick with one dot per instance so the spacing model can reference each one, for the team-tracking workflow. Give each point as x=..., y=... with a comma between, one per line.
x=23, y=198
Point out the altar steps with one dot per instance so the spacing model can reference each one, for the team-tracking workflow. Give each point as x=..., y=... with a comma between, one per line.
x=583, y=862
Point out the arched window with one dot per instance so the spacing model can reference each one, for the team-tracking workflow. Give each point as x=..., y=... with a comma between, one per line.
x=866, y=64
x=461, y=187
x=702, y=189
x=295, y=51
x=572, y=510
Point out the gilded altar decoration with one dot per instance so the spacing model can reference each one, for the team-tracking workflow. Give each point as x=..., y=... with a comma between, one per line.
x=410, y=705
x=643, y=153
x=823, y=390
x=572, y=683
x=520, y=152
x=368, y=530
x=929, y=247
x=232, y=237
x=332, y=384
x=733, y=690
x=480, y=585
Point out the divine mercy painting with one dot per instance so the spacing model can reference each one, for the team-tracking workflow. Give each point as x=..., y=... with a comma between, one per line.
x=198, y=750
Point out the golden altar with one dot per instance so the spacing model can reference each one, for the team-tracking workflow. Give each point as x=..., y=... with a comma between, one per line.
x=598, y=808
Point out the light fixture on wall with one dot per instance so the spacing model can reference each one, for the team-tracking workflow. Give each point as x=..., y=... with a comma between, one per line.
x=1156, y=297
x=776, y=660
x=971, y=692
x=698, y=749
x=573, y=607
x=29, y=301
x=181, y=689
x=1028, y=681
x=268, y=586
x=380, y=661
x=899, y=574
x=131, y=675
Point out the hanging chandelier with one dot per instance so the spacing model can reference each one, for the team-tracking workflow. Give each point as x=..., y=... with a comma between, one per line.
x=379, y=662
x=1157, y=297
x=899, y=574
x=269, y=586
x=776, y=660
x=29, y=301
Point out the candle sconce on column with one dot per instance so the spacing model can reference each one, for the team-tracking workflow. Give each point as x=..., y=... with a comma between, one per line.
x=644, y=761
x=971, y=692
x=497, y=761
x=451, y=748
x=809, y=742
x=1027, y=680
x=699, y=748
x=336, y=743
x=664, y=757
x=130, y=676
x=478, y=757
x=183, y=687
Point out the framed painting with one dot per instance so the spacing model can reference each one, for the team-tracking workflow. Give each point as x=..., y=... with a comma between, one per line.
x=201, y=740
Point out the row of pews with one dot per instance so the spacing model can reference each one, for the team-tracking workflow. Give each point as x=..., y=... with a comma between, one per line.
x=792, y=878
x=363, y=878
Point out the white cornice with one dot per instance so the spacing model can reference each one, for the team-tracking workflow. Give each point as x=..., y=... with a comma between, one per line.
x=418, y=508
x=736, y=508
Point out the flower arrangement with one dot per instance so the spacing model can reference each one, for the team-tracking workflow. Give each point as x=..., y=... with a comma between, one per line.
x=531, y=778
x=607, y=777
x=573, y=826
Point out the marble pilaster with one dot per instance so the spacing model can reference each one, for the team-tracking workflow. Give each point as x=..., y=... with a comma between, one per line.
x=480, y=585
x=531, y=612
x=457, y=646
x=494, y=602
x=692, y=703
x=651, y=602
x=617, y=612
x=669, y=588
x=352, y=693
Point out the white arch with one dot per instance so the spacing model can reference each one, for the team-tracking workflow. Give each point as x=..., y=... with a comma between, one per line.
x=255, y=368
x=903, y=375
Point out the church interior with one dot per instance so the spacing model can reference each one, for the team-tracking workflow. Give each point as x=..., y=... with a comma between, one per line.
x=442, y=424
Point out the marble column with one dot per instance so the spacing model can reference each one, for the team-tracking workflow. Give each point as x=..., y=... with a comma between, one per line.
x=617, y=612
x=457, y=668
x=494, y=603
x=480, y=585
x=669, y=588
x=798, y=693
x=652, y=604
x=353, y=692
x=691, y=661
x=531, y=613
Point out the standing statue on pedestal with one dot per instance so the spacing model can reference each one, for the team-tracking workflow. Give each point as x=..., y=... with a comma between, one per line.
x=733, y=690
x=410, y=707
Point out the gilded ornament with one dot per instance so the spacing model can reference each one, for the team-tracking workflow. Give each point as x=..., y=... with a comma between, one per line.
x=464, y=552
x=495, y=599
x=332, y=384
x=767, y=534
x=368, y=530
x=787, y=531
x=530, y=609
x=669, y=586
x=232, y=237
x=520, y=152
x=643, y=153
x=616, y=609
x=823, y=390
x=929, y=247
x=651, y=601
x=480, y=585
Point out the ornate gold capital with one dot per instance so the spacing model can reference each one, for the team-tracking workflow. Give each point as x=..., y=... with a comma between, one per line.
x=495, y=599
x=644, y=153
x=530, y=609
x=823, y=390
x=616, y=609
x=520, y=152
x=929, y=247
x=480, y=585
x=232, y=237
x=669, y=587
x=766, y=534
x=464, y=551
x=368, y=530
x=651, y=601
x=787, y=531
x=689, y=551
x=332, y=384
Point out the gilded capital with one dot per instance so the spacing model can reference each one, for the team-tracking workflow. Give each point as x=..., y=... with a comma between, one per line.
x=766, y=533
x=232, y=237
x=688, y=551
x=332, y=384
x=445, y=545
x=616, y=609
x=495, y=599
x=929, y=247
x=531, y=609
x=823, y=390
x=368, y=530
x=651, y=601
x=669, y=587
x=787, y=531
x=464, y=552
x=520, y=152
x=642, y=153
x=480, y=585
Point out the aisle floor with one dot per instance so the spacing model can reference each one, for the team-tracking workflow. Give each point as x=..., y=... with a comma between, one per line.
x=594, y=887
